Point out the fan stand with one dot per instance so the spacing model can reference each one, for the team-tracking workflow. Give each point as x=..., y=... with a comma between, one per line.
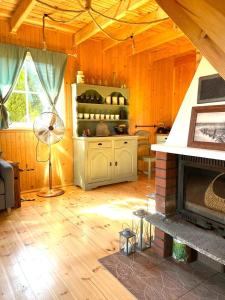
x=50, y=192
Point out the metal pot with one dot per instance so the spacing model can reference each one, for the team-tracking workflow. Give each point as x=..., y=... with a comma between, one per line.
x=121, y=129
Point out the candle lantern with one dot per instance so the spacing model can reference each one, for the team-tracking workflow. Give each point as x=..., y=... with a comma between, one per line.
x=142, y=228
x=127, y=241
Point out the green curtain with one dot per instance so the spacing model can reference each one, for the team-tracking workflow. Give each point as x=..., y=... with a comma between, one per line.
x=50, y=67
x=11, y=61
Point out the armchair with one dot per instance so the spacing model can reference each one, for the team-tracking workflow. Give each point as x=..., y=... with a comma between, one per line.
x=7, y=199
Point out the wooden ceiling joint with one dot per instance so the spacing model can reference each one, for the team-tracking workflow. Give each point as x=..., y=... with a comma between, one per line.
x=21, y=13
x=203, y=22
x=91, y=29
x=156, y=40
x=155, y=17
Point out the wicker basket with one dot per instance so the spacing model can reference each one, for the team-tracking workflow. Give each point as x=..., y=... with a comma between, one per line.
x=212, y=200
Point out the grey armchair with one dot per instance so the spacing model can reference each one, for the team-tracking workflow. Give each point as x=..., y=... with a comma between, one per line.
x=7, y=199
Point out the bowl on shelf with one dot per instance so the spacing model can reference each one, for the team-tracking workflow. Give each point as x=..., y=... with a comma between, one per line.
x=121, y=129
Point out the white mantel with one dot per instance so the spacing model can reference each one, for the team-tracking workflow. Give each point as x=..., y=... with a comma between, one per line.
x=178, y=137
x=213, y=154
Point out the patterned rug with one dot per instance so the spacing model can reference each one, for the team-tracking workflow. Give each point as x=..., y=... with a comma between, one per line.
x=147, y=276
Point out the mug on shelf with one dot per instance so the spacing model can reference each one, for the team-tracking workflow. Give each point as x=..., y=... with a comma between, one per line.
x=117, y=117
x=114, y=100
x=86, y=115
x=80, y=115
x=107, y=117
x=108, y=100
x=102, y=116
x=112, y=117
x=97, y=116
x=121, y=101
x=92, y=116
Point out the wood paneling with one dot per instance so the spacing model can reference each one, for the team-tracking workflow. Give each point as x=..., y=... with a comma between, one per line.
x=183, y=74
x=20, y=145
x=157, y=80
x=203, y=22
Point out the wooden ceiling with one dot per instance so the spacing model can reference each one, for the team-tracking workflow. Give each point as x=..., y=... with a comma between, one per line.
x=18, y=12
x=203, y=21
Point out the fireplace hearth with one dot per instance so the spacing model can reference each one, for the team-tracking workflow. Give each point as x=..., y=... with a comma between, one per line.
x=201, y=192
x=181, y=209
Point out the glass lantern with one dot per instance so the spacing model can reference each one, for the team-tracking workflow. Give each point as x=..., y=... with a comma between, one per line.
x=142, y=228
x=127, y=241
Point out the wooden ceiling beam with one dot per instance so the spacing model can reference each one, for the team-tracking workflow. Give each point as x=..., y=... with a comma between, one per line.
x=215, y=17
x=203, y=38
x=181, y=47
x=50, y=25
x=156, y=17
x=91, y=29
x=21, y=13
x=155, y=41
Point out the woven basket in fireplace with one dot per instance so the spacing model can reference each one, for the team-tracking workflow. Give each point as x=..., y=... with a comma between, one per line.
x=212, y=200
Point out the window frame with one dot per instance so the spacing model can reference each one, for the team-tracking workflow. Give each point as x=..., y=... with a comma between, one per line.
x=28, y=125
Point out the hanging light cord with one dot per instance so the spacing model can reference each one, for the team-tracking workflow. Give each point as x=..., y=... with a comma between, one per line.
x=64, y=21
x=106, y=33
x=43, y=32
x=60, y=9
x=123, y=21
x=89, y=9
x=99, y=13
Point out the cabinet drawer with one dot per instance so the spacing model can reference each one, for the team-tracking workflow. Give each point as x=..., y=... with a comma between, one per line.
x=100, y=144
x=125, y=143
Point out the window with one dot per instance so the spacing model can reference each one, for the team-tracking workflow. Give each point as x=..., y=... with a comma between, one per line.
x=28, y=99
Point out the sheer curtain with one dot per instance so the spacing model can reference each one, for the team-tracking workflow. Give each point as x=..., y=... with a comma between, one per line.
x=50, y=67
x=11, y=61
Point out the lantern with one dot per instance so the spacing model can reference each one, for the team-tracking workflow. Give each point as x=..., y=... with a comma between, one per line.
x=142, y=228
x=127, y=241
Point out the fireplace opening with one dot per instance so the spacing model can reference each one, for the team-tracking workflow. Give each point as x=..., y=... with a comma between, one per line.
x=201, y=192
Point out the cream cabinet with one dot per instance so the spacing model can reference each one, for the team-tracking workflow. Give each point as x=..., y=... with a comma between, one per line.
x=104, y=160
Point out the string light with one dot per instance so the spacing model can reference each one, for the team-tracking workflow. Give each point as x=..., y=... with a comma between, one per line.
x=87, y=8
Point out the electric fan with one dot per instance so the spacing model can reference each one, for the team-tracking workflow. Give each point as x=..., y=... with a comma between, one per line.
x=49, y=129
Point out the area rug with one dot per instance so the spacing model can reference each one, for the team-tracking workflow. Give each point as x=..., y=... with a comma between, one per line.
x=130, y=270
x=147, y=276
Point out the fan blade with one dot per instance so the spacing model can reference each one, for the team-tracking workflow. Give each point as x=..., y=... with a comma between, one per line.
x=58, y=131
x=53, y=120
x=54, y=138
x=42, y=131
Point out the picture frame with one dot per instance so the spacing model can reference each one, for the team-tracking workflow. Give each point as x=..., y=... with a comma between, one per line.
x=207, y=127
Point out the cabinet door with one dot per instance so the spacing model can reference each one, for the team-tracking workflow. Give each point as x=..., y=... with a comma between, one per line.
x=99, y=165
x=125, y=162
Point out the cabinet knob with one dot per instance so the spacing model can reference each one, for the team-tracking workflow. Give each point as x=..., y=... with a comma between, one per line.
x=110, y=164
x=116, y=163
x=125, y=142
x=100, y=144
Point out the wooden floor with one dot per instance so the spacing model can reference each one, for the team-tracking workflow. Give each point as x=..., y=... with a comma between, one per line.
x=49, y=248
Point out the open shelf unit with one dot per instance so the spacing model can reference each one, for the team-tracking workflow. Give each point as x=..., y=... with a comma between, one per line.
x=81, y=93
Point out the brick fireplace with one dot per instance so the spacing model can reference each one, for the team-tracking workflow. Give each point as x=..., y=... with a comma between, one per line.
x=182, y=183
x=166, y=188
x=171, y=220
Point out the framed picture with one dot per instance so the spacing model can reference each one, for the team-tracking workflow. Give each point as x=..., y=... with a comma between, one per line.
x=207, y=127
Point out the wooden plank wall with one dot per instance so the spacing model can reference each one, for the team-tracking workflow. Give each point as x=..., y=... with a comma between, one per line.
x=20, y=145
x=157, y=80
